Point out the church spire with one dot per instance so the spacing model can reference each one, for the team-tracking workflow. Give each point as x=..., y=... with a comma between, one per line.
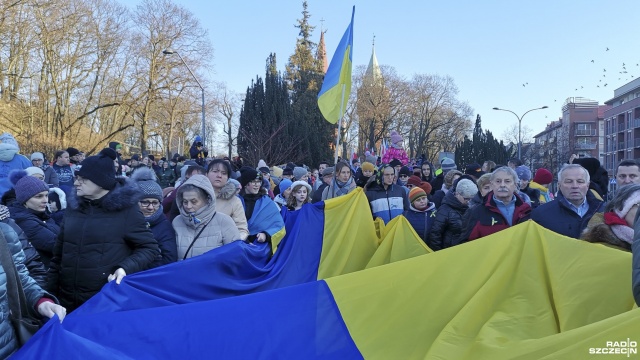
x=322, y=52
x=373, y=75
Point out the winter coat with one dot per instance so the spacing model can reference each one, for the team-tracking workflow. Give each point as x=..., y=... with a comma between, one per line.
x=10, y=160
x=31, y=257
x=97, y=238
x=33, y=292
x=227, y=202
x=557, y=215
x=219, y=228
x=362, y=180
x=280, y=201
x=447, y=226
x=386, y=203
x=635, y=276
x=438, y=196
x=50, y=176
x=421, y=220
x=165, y=236
x=41, y=230
x=599, y=232
x=487, y=219
x=534, y=196
x=394, y=153
x=317, y=194
x=545, y=195
x=166, y=177
x=436, y=184
x=476, y=200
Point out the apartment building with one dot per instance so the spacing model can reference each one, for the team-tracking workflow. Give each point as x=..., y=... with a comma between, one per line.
x=622, y=125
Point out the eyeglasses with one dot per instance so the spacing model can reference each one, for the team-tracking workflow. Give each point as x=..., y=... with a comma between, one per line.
x=145, y=203
x=80, y=180
x=404, y=176
x=255, y=182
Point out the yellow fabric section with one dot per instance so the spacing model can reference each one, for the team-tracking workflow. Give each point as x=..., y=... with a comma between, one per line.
x=276, y=238
x=354, y=241
x=334, y=100
x=399, y=242
x=524, y=293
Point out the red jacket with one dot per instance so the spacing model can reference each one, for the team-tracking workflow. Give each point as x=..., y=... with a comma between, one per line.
x=486, y=219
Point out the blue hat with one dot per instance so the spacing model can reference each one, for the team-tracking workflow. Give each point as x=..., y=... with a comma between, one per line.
x=284, y=185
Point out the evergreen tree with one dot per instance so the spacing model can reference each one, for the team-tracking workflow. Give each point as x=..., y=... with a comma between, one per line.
x=483, y=146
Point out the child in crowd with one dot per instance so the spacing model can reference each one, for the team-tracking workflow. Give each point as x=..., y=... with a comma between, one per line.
x=299, y=196
x=364, y=173
x=421, y=213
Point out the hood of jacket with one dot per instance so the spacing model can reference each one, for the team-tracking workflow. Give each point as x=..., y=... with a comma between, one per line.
x=227, y=191
x=8, y=148
x=206, y=212
x=451, y=200
x=123, y=196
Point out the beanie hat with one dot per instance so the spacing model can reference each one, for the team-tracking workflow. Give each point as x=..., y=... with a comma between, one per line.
x=26, y=186
x=264, y=170
x=287, y=171
x=37, y=156
x=135, y=157
x=414, y=180
x=395, y=137
x=404, y=171
x=395, y=162
x=543, y=176
x=299, y=172
x=474, y=170
x=368, y=157
x=31, y=170
x=466, y=188
x=247, y=175
x=416, y=193
x=100, y=169
x=303, y=183
x=523, y=173
x=262, y=163
x=367, y=166
x=284, y=185
x=591, y=164
x=58, y=196
x=277, y=172
x=448, y=164
x=426, y=187
x=72, y=151
x=9, y=142
x=145, y=179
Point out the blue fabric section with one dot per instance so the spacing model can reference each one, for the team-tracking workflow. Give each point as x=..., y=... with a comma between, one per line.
x=231, y=270
x=265, y=217
x=302, y=323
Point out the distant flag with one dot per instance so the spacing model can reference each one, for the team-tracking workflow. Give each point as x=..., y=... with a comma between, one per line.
x=336, y=86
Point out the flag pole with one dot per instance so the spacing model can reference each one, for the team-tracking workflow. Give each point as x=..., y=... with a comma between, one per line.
x=335, y=156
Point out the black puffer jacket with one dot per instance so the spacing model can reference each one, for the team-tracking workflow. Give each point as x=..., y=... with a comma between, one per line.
x=41, y=230
x=447, y=227
x=96, y=238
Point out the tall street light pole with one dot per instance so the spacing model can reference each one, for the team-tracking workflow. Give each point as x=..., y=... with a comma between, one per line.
x=520, y=125
x=171, y=52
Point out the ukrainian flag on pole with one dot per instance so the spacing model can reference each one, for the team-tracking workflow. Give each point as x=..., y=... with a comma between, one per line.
x=336, y=87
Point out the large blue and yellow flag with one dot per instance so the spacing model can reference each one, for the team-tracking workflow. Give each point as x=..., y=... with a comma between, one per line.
x=336, y=86
x=524, y=293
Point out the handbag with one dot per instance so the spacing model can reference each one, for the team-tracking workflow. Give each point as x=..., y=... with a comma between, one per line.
x=25, y=323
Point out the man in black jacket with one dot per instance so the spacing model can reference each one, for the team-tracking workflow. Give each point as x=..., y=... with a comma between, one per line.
x=103, y=237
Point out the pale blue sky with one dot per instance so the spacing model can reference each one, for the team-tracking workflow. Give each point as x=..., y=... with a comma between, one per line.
x=490, y=48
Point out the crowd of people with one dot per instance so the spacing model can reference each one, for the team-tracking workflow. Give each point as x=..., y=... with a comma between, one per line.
x=82, y=222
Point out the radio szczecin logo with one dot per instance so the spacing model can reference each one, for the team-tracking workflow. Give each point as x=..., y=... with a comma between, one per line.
x=624, y=347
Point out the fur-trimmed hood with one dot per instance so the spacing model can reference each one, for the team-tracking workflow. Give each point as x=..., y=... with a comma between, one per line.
x=61, y=195
x=599, y=232
x=227, y=191
x=8, y=147
x=123, y=196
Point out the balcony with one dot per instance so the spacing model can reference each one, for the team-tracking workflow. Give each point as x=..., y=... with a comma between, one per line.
x=586, y=146
x=621, y=145
x=620, y=127
x=586, y=132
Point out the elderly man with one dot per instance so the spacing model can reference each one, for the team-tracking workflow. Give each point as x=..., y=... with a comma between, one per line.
x=574, y=206
x=628, y=172
x=502, y=207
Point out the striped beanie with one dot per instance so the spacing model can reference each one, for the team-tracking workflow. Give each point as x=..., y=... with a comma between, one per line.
x=416, y=193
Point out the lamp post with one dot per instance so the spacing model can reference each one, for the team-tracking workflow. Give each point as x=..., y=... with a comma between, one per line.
x=520, y=125
x=171, y=52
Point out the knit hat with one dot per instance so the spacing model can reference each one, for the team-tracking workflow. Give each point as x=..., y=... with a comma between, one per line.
x=100, y=169
x=367, y=166
x=247, y=175
x=448, y=164
x=543, y=176
x=416, y=193
x=277, y=172
x=395, y=137
x=261, y=164
x=466, y=188
x=145, y=179
x=287, y=171
x=135, y=157
x=395, y=162
x=26, y=186
x=284, y=185
x=523, y=173
x=414, y=180
x=37, y=156
x=31, y=170
x=426, y=187
x=303, y=183
x=591, y=164
x=368, y=157
x=299, y=172
x=404, y=171
x=72, y=151
x=264, y=170
x=474, y=170
x=9, y=142
x=328, y=171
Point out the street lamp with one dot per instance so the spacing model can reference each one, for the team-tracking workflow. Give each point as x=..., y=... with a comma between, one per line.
x=171, y=52
x=520, y=125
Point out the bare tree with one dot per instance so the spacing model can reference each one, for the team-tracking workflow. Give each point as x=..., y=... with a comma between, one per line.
x=227, y=104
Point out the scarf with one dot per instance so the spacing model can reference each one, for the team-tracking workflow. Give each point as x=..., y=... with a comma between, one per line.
x=4, y=212
x=153, y=218
x=342, y=188
x=619, y=227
